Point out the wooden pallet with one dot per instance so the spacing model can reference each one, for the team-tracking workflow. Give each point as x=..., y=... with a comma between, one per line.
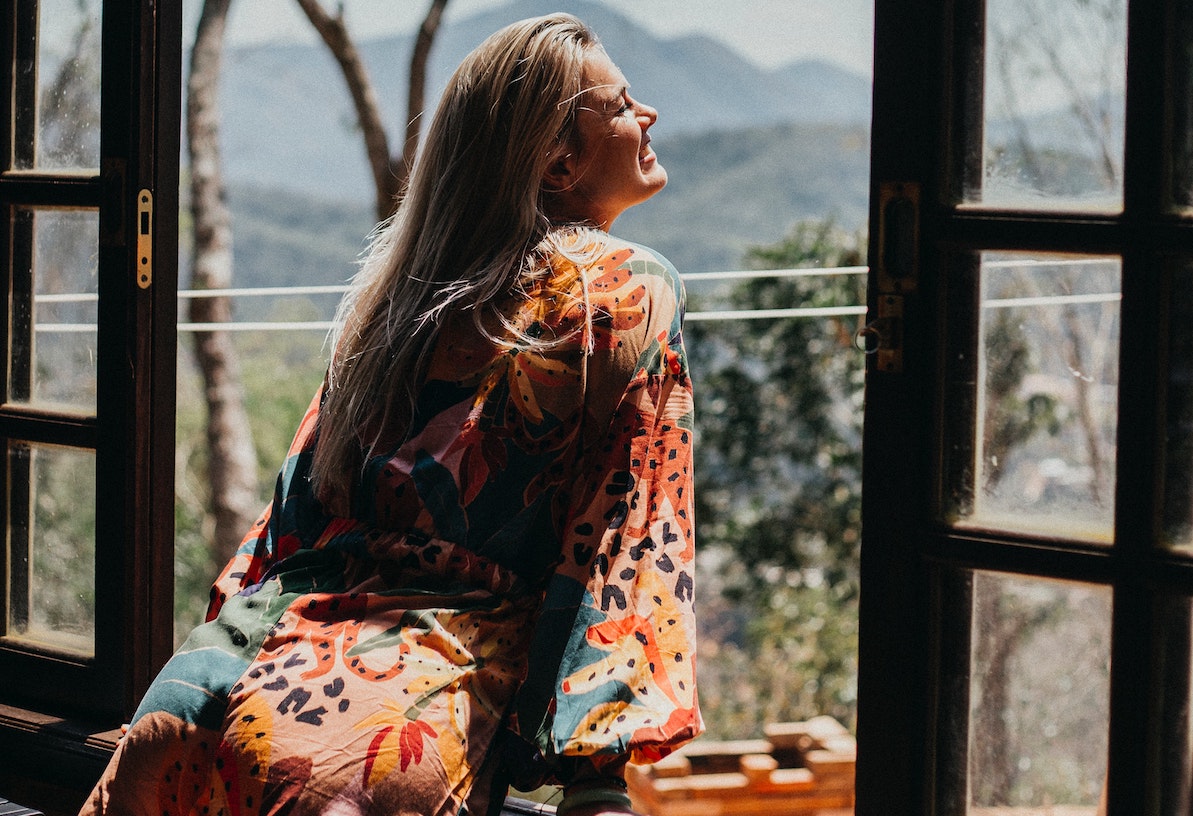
x=800, y=769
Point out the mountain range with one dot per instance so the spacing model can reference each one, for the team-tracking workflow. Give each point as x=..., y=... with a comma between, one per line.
x=728, y=191
x=288, y=121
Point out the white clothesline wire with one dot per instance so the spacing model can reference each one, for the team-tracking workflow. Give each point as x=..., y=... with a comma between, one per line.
x=339, y=289
x=709, y=315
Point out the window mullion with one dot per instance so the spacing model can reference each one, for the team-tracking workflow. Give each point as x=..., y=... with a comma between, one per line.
x=18, y=385
x=17, y=471
x=25, y=84
x=1140, y=631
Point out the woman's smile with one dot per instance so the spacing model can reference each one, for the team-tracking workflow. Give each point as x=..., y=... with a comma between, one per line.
x=612, y=166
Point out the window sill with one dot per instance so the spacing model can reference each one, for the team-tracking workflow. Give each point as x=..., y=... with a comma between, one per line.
x=51, y=763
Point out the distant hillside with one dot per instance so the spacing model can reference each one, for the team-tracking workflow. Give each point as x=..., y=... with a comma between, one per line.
x=288, y=122
x=732, y=190
x=728, y=190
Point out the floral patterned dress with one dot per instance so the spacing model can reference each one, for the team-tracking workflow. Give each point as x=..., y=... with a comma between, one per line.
x=508, y=599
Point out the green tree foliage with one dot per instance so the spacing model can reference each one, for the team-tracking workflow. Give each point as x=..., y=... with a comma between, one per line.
x=779, y=411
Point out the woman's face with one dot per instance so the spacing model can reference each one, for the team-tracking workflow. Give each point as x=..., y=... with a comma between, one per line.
x=610, y=166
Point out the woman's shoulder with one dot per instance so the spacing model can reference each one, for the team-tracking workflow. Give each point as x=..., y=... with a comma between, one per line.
x=637, y=300
x=619, y=262
x=648, y=259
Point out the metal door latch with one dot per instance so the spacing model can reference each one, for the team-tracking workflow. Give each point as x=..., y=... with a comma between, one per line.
x=144, y=239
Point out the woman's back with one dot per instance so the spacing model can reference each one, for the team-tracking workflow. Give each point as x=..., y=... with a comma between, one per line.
x=530, y=531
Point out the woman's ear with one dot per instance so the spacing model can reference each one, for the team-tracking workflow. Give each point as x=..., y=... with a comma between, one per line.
x=560, y=174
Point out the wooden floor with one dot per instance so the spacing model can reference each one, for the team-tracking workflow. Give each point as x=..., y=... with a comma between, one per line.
x=522, y=807
x=8, y=808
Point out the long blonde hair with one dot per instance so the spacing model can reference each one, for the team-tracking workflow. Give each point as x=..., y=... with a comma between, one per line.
x=471, y=227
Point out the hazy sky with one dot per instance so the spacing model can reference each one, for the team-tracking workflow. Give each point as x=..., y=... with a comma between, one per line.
x=770, y=32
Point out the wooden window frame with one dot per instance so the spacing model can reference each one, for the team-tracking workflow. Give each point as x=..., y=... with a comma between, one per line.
x=911, y=561
x=58, y=714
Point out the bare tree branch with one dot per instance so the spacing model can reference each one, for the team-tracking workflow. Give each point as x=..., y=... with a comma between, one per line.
x=70, y=110
x=1083, y=105
x=1075, y=338
x=389, y=171
x=416, y=97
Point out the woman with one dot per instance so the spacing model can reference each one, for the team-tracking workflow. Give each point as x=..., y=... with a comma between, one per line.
x=477, y=566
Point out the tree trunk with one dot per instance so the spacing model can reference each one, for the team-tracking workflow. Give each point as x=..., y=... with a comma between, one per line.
x=1005, y=626
x=993, y=753
x=232, y=459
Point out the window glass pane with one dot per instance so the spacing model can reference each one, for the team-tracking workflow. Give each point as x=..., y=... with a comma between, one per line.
x=1178, y=441
x=58, y=87
x=1175, y=621
x=1038, y=695
x=1182, y=101
x=1043, y=453
x=54, y=309
x=51, y=537
x=1054, y=101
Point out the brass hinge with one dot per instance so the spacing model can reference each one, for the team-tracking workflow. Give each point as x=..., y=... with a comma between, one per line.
x=144, y=239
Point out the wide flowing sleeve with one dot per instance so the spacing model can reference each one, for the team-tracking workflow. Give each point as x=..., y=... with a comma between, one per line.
x=612, y=673
x=275, y=533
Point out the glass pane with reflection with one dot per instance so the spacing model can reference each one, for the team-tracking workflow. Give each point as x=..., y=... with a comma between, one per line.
x=1178, y=431
x=1054, y=103
x=1046, y=402
x=1038, y=695
x=1181, y=100
x=51, y=544
x=54, y=309
x=56, y=111
x=1175, y=624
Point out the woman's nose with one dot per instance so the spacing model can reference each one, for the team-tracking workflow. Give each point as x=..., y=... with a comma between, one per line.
x=648, y=113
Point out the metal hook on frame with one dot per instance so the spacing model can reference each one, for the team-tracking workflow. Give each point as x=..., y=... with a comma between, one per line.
x=868, y=339
x=883, y=336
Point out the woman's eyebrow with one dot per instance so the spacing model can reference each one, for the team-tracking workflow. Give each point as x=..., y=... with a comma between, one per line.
x=601, y=98
x=622, y=91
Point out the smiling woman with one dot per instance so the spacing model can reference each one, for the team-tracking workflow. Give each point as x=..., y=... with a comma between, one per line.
x=477, y=568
